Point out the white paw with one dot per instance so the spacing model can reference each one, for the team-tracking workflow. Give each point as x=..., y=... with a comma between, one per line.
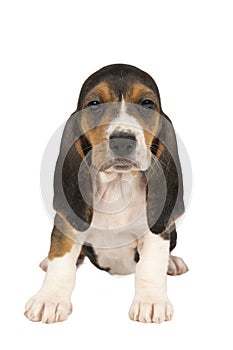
x=176, y=266
x=48, y=308
x=147, y=312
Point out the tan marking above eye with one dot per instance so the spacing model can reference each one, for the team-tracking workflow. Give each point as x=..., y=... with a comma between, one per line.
x=101, y=93
x=138, y=92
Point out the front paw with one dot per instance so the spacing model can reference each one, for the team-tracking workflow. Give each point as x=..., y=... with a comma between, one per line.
x=156, y=311
x=48, y=308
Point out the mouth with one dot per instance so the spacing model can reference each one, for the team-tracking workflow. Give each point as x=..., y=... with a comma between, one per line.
x=120, y=164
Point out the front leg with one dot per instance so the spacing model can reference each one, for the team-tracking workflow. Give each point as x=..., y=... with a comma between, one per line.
x=151, y=303
x=52, y=302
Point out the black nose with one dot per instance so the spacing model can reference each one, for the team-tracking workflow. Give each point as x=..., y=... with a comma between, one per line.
x=122, y=143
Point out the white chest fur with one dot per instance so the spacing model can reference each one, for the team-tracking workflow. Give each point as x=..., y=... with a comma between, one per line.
x=119, y=219
x=119, y=215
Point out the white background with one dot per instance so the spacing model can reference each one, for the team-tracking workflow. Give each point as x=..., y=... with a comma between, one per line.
x=48, y=48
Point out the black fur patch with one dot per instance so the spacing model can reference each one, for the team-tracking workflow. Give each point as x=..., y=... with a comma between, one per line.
x=89, y=251
x=136, y=256
x=172, y=236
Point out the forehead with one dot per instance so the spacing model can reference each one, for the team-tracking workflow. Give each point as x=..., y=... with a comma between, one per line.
x=107, y=92
x=113, y=82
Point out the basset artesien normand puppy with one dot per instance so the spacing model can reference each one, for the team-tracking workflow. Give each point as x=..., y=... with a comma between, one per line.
x=117, y=194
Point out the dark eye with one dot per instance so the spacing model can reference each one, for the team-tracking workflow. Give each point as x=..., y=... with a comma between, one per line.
x=147, y=104
x=94, y=105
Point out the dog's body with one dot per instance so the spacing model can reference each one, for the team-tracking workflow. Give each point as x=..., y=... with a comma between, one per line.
x=117, y=193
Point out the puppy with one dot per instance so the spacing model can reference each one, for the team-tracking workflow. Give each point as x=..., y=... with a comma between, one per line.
x=117, y=194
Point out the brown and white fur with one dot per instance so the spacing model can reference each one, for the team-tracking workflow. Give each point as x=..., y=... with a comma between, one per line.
x=116, y=235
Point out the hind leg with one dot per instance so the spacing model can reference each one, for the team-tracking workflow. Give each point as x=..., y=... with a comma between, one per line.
x=176, y=265
x=44, y=264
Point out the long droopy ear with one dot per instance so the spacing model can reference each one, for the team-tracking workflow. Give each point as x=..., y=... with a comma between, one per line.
x=164, y=180
x=72, y=178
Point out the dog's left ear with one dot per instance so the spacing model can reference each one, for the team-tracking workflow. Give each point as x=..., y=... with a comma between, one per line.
x=164, y=180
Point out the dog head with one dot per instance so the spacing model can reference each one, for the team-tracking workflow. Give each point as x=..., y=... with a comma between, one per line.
x=120, y=109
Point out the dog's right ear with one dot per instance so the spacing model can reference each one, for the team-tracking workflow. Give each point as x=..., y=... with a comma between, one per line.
x=72, y=178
